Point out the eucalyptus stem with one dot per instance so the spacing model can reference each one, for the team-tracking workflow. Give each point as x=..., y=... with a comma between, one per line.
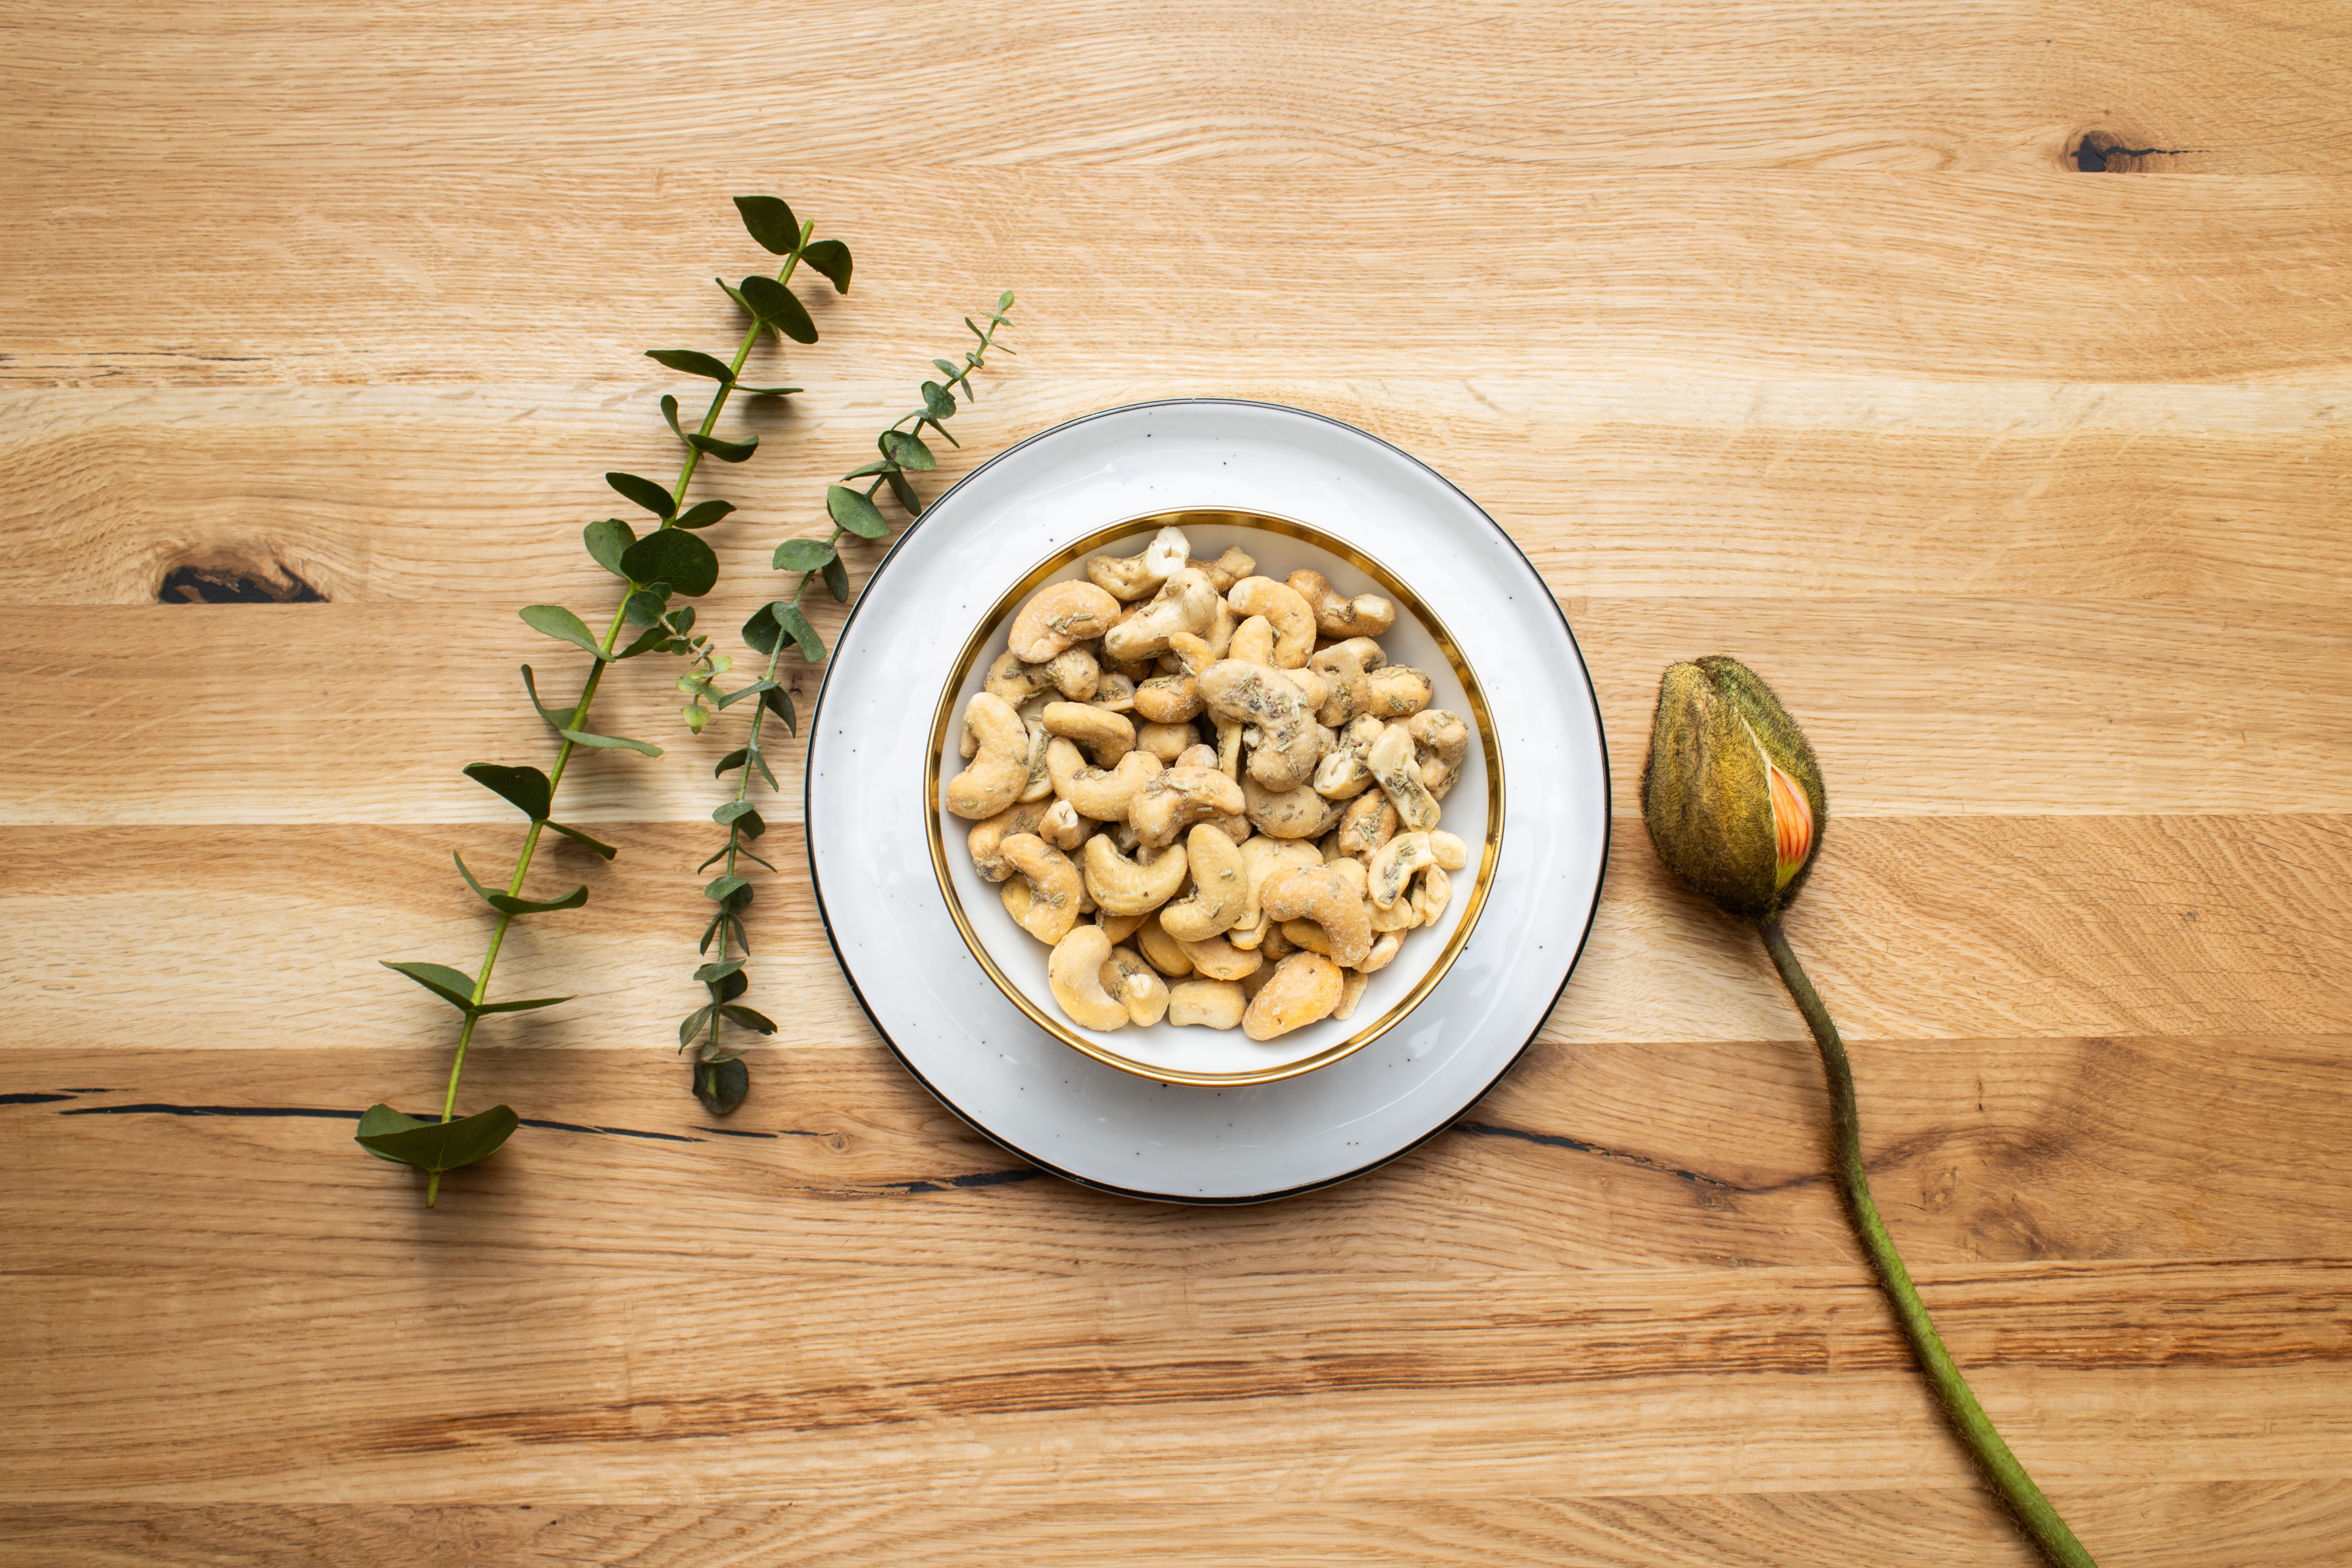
x=2039, y=1521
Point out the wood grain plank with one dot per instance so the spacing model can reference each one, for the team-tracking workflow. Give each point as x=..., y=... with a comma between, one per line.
x=2238, y=88
x=2143, y=1526
x=417, y=277
x=1618, y=487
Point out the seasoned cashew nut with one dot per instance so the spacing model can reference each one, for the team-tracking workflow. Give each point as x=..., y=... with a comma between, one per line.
x=1209, y=1003
x=1220, y=635
x=1219, y=960
x=1278, y=945
x=1173, y=801
x=1260, y=858
x=1107, y=735
x=1399, y=916
x=1054, y=887
x=1166, y=741
x=1449, y=851
x=1125, y=887
x=1075, y=972
x=1342, y=774
x=1395, y=771
x=1119, y=927
x=1440, y=741
x=1073, y=672
x=1226, y=570
x=1351, y=990
x=1130, y=980
x=1289, y=813
x=986, y=839
x=1344, y=667
x=1229, y=746
x=1160, y=950
x=1384, y=949
x=1219, y=887
x=1252, y=641
x=1333, y=898
x=1115, y=693
x=1297, y=935
x=1185, y=603
x=1280, y=603
x=1368, y=822
x=1123, y=834
x=1305, y=990
x=1394, y=863
x=1063, y=827
x=1058, y=615
x=1337, y=616
x=1064, y=763
x=1197, y=756
x=999, y=771
x=1041, y=782
x=1168, y=699
x=1429, y=900
x=1138, y=575
x=1289, y=741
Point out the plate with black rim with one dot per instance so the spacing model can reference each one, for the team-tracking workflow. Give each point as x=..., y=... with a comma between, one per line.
x=867, y=808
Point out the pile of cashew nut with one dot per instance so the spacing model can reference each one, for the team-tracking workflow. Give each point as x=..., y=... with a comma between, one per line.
x=1209, y=791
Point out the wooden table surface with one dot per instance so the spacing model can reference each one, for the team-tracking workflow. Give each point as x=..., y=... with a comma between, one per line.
x=1830, y=336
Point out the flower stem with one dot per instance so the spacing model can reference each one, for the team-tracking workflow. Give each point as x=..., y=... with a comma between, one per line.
x=2034, y=1515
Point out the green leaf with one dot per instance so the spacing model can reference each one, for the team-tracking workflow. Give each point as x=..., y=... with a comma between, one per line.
x=854, y=513
x=453, y=987
x=736, y=295
x=644, y=607
x=760, y=632
x=741, y=692
x=654, y=637
x=730, y=762
x=797, y=625
x=803, y=554
x=557, y=622
x=938, y=401
x=581, y=737
x=1005, y=301
x=779, y=308
x=606, y=541
x=674, y=556
x=681, y=620
x=779, y=701
x=880, y=465
x=692, y=362
x=598, y=845
x=908, y=452
x=905, y=492
x=725, y=451
x=733, y=986
x=758, y=1022
x=836, y=581
x=508, y=904
x=435, y=1146
x=535, y=1002
x=711, y=974
x=950, y=371
x=767, y=391
x=742, y=815
x=831, y=257
x=722, y=888
x=669, y=416
x=645, y=493
x=721, y=1085
x=703, y=513
x=556, y=717
x=769, y=222
x=693, y=1021
x=526, y=789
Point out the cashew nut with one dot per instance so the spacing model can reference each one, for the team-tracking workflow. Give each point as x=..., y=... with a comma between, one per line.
x=1289, y=813
x=1106, y=735
x=1166, y=741
x=1260, y=858
x=1168, y=699
x=1278, y=945
x=1393, y=864
x=1441, y=740
x=1361, y=681
x=1289, y=741
x=1368, y=822
x=1197, y=756
x=1064, y=762
x=1054, y=887
x=1296, y=935
x=986, y=839
x=999, y=771
x=1115, y=693
x=1229, y=746
x=1252, y=641
x=1160, y=950
x=1119, y=927
x=1336, y=615
x=1185, y=603
x=1226, y=570
x=1393, y=768
x=1351, y=990
x=1138, y=575
x=1219, y=960
x=1125, y=887
x=1209, y=1003
x=1058, y=615
x=1401, y=916
x=1075, y=972
x=1280, y=603
x=1449, y=851
x=1384, y=949
x=1173, y=801
x=1130, y=980
x=1342, y=774
x=1063, y=827
x=1436, y=891
x=1305, y=989
x=1333, y=898
x=1219, y=888
x=1041, y=782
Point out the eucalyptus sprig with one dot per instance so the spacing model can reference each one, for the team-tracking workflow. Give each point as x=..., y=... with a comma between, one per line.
x=721, y=1079
x=669, y=563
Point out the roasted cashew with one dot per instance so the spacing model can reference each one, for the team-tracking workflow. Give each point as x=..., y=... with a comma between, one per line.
x=1220, y=635
x=1393, y=768
x=1342, y=664
x=1168, y=699
x=1252, y=641
x=1160, y=950
x=1305, y=989
x=1041, y=782
x=1449, y=851
x=999, y=771
x=1440, y=740
x=1289, y=741
x=1209, y=1003
x=1125, y=887
x=1197, y=756
x=1301, y=934
x=1115, y=693
x=1123, y=834
x=1436, y=891
x=1053, y=885
x=1342, y=774
x=1333, y=898
x=1336, y=615
x=1277, y=945
x=1260, y=858
x=1062, y=826
x=1119, y=927
x=1226, y=570
x=1293, y=622
x=1107, y=735
x=1064, y=762
x=986, y=839
x=1139, y=576
x=1075, y=972
x=1219, y=960
x=1174, y=800
x=1166, y=741
x=1229, y=745
x=1219, y=887
x=1384, y=951
x=1289, y=813
x=1351, y=990
x=1185, y=603
x=1192, y=653
x=1127, y=979
x=1058, y=615
x=1368, y=822
x=1399, y=916
x=1393, y=864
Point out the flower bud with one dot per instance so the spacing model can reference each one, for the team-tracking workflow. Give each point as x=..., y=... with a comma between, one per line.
x=1732, y=794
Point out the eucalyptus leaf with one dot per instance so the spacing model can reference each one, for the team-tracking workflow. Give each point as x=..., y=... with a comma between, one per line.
x=837, y=581
x=703, y=513
x=952, y=372
x=854, y=513
x=779, y=701
x=536, y=1002
x=688, y=1025
x=879, y=465
x=904, y=491
x=674, y=556
x=779, y=308
x=437, y=1146
x=669, y=416
x=938, y=401
x=760, y=632
x=654, y=637
x=725, y=451
x=646, y=606
x=831, y=257
x=730, y=762
x=768, y=391
x=598, y=845
x=583, y=738
x=796, y=626
x=758, y=1022
x=378, y=1119
x=526, y=789
x=803, y=555
x=738, y=811
x=736, y=295
x=692, y=362
x=711, y=974
x=453, y=987
x=1004, y=303
x=645, y=493
x=940, y=428
x=557, y=622
x=556, y=717
x=908, y=451
x=721, y=1085
x=508, y=904
x=730, y=699
x=605, y=539
x=722, y=888
x=733, y=986
x=771, y=223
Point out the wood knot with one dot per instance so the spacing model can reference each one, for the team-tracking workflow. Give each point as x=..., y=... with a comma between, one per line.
x=235, y=582
x=2099, y=154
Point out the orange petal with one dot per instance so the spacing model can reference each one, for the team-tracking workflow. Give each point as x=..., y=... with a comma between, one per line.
x=1792, y=823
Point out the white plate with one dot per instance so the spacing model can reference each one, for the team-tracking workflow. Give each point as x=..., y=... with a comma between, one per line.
x=869, y=857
